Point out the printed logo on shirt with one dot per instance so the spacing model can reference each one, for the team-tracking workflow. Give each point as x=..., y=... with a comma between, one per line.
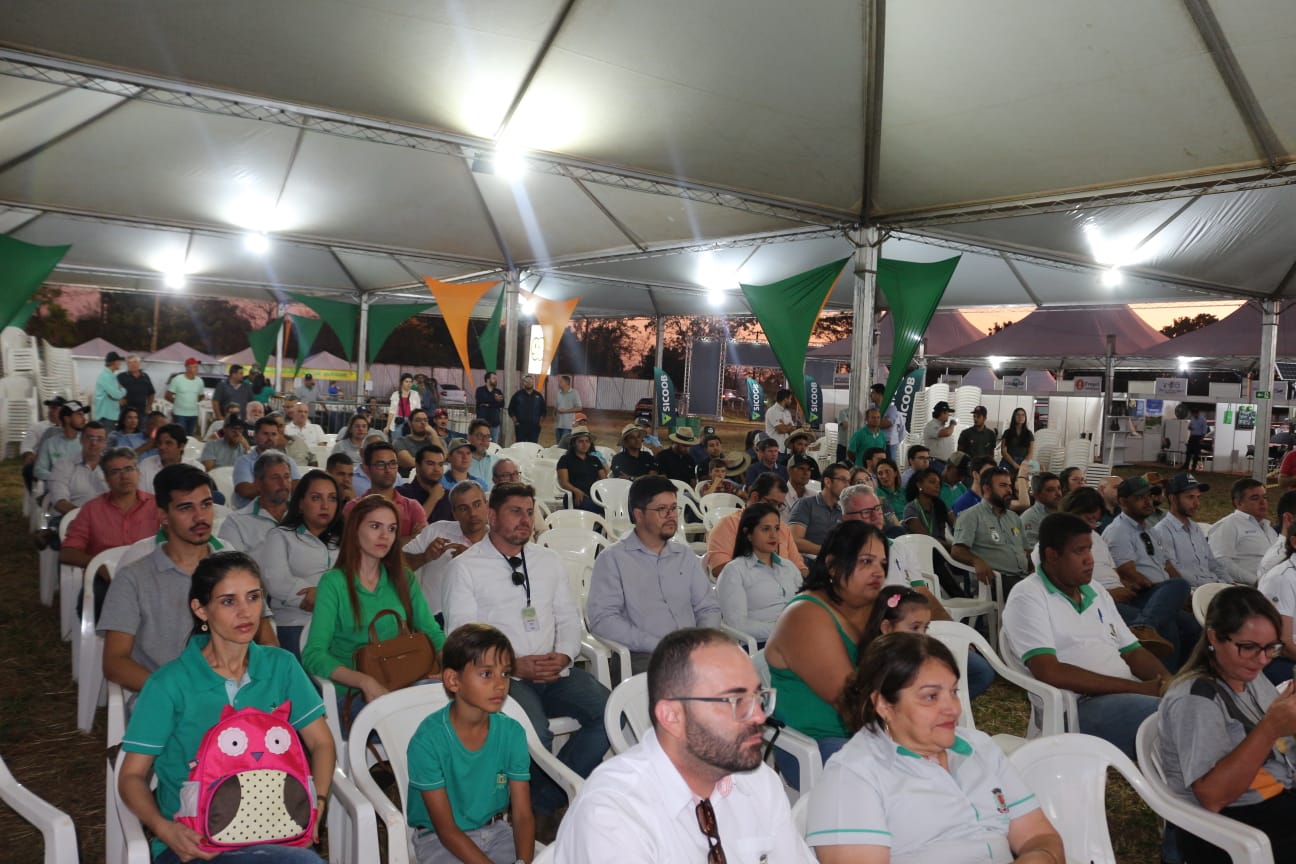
x=501, y=779
x=1001, y=803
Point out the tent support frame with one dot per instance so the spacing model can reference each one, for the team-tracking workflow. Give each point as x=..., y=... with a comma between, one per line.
x=868, y=244
x=1265, y=383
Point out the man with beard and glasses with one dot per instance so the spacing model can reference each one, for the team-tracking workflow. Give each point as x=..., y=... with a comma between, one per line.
x=694, y=789
x=645, y=585
x=272, y=476
x=988, y=536
x=146, y=619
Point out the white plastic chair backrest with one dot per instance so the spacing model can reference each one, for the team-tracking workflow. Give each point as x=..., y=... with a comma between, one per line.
x=223, y=477
x=800, y=814
x=580, y=570
x=219, y=514
x=627, y=706
x=762, y=667
x=582, y=519
x=959, y=638
x=716, y=514
x=914, y=552
x=613, y=495
x=526, y=449
x=554, y=453
x=721, y=499
x=492, y=448
x=66, y=522
x=55, y=826
x=607, y=454
x=1068, y=774
x=332, y=705
x=575, y=540
x=1202, y=597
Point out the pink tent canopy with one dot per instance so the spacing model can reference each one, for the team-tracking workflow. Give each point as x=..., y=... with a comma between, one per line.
x=1056, y=336
x=97, y=347
x=948, y=330
x=1237, y=335
x=326, y=360
x=178, y=352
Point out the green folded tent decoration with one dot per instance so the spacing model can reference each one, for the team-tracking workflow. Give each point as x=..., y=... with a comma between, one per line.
x=385, y=318
x=264, y=341
x=488, y=344
x=342, y=318
x=23, y=267
x=307, y=331
x=913, y=291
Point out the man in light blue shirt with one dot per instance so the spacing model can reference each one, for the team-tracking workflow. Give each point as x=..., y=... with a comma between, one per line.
x=1198, y=429
x=1183, y=539
x=109, y=394
x=479, y=468
x=647, y=586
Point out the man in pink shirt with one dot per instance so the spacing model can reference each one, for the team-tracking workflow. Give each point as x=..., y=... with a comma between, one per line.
x=118, y=517
x=768, y=488
x=382, y=467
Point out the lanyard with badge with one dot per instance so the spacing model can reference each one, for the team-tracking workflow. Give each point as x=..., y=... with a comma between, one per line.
x=522, y=578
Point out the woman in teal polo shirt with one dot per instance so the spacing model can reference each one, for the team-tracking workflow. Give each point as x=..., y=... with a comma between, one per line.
x=221, y=665
x=370, y=577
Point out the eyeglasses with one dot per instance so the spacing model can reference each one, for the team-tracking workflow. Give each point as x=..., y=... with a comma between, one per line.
x=385, y=466
x=507, y=475
x=1251, y=650
x=1147, y=542
x=743, y=705
x=864, y=511
x=838, y=478
x=664, y=510
x=707, y=825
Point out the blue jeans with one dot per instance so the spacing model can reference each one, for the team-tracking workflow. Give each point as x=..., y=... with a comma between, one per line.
x=290, y=640
x=980, y=675
x=792, y=772
x=1161, y=607
x=1116, y=717
x=559, y=433
x=580, y=696
x=267, y=854
x=189, y=424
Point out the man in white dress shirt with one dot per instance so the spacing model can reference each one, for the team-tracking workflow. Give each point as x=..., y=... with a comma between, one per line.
x=1241, y=539
x=301, y=427
x=779, y=422
x=694, y=789
x=522, y=589
x=432, y=552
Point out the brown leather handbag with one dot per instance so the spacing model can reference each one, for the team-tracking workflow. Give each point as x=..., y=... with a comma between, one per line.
x=397, y=662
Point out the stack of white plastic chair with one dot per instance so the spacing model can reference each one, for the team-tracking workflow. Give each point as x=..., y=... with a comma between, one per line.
x=965, y=399
x=1079, y=452
x=19, y=411
x=21, y=356
x=14, y=339
x=57, y=375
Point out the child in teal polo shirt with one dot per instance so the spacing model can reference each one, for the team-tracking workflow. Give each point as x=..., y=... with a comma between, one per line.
x=469, y=769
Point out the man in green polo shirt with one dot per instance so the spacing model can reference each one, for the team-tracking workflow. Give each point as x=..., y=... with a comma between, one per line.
x=871, y=434
x=988, y=536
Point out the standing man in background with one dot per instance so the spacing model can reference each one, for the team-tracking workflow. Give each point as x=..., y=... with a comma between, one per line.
x=567, y=403
x=527, y=409
x=232, y=391
x=138, y=386
x=109, y=394
x=490, y=401
x=779, y=422
x=892, y=421
x=1198, y=429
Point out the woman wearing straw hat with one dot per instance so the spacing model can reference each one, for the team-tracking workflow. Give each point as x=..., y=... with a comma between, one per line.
x=580, y=469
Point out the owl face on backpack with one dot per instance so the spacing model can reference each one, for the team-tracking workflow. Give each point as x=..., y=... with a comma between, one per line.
x=250, y=783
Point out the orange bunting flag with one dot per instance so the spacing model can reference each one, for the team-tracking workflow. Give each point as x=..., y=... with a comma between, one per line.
x=552, y=316
x=457, y=301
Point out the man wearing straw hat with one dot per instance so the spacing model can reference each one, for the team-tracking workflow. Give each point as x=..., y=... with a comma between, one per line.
x=674, y=462
x=633, y=461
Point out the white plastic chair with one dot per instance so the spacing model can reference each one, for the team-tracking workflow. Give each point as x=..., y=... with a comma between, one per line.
x=69, y=578
x=1068, y=774
x=1040, y=707
x=914, y=553
x=526, y=449
x=1202, y=597
x=87, y=647
x=1244, y=844
x=720, y=499
x=581, y=519
x=627, y=706
x=802, y=748
x=55, y=826
x=395, y=717
x=223, y=477
x=543, y=474
x=715, y=514
x=613, y=495
x=960, y=639
x=577, y=541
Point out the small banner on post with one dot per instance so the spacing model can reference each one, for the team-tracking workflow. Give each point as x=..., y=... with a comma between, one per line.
x=814, y=403
x=664, y=397
x=755, y=400
x=910, y=384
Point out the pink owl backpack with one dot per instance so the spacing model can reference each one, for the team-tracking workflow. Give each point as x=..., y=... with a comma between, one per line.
x=249, y=783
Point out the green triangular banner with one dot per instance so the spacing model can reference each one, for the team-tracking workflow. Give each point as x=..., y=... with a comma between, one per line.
x=263, y=342
x=307, y=330
x=913, y=291
x=787, y=311
x=342, y=318
x=24, y=314
x=23, y=267
x=386, y=318
x=488, y=344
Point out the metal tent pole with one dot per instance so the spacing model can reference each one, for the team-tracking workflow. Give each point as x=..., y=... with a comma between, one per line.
x=510, y=378
x=1264, y=386
x=1109, y=385
x=864, y=301
x=362, y=352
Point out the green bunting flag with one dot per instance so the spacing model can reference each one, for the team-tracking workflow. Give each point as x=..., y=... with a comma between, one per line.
x=307, y=330
x=787, y=311
x=342, y=318
x=264, y=341
x=24, y=314
x=913, y=291
x=23, y=267
x=488, y=344
x=385, y=318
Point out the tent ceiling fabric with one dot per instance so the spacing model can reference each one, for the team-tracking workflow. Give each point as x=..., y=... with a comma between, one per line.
x=677, y=153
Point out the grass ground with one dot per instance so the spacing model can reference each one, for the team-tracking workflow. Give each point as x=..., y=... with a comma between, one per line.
x=43, y=749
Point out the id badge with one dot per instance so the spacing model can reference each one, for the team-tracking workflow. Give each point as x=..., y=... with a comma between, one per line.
x=530, y=623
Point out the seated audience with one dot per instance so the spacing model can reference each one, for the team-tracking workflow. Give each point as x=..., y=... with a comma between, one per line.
x=766, y=462
x=264, y=439
x=1183, y=539
x=1046, y=490
x=972, y=496
x=75, y=480
x=220, y=668
x=988, y=536
x=1277, y=552
x=695, y=783
x=718, y=473
x=426, y=489
x=272, y=478
x=297, y=552
x=800, y=486
x=926, y=513
x=645, y=585
x=1071, y=478
x=1070, y=635
x=1225, y=730
x=168, y=449
x=352, y=441
x=910, y=785
x=225, y=451
x=1241, y=539
x=127, y=432
x=380, y=467
x=813, y=517
x=953, y=478
x=521, y=588
x=432, y=552
x=62, y=441
x=479, y=467
x=798, y=446
x=754, y=587
x=917, y=458
x=889, y=492
x=633, y=461
x=419, y=434
x=674, y=461
x=1278, y=585
x=767, y=488
x=898, y=608
x=342, y=469
x=1017, y=444
x=579, y=469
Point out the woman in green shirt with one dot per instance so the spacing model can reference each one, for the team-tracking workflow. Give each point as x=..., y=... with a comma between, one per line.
x=352, y=594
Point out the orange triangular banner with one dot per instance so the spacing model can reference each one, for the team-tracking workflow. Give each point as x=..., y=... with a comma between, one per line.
x=552, y=315
x=457, y=301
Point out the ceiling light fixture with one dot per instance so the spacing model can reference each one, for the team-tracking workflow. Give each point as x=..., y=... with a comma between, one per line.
x=173, y=279
x=256, y=242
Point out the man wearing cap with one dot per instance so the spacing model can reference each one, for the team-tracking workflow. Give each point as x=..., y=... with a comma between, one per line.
x=490, y=401
x=779, y=422
x=813, y=517
x=184, y=392
x=767, y=452
x=35, y=434
x=440, y=419
x=798, y=443
x=479, y=466
x=632, y=462
x=651, y=442
x=871, y=434
x=65, y=443
x=980, y=439
x=988, y=537
x=952, y=486
x=109, y=394
x=1046, y=489
x=767, y=488
x=138, y=386
x=892, y=420
x=674, y=462
x=226, y=450
x=458, y=459
x=566, y=404
x=1240, y=539
x=938, y=434
x=1145, y=566
x=233, y=390
x=307, y=392
x=1158, y=512
x=526, y=409
x=1184, y=539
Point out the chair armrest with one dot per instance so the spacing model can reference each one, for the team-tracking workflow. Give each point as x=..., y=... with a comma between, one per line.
x=805, y=750
x=381, y=807
x=599, y=657
x=621, y=651
x=746, y=640
x=352, y=823
x=116, y=714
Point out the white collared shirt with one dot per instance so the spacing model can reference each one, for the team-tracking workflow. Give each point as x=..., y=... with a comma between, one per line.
x=311, y=433
x=432, y=575
x=636, y=809
x=1240, y=541
x=248, y=526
